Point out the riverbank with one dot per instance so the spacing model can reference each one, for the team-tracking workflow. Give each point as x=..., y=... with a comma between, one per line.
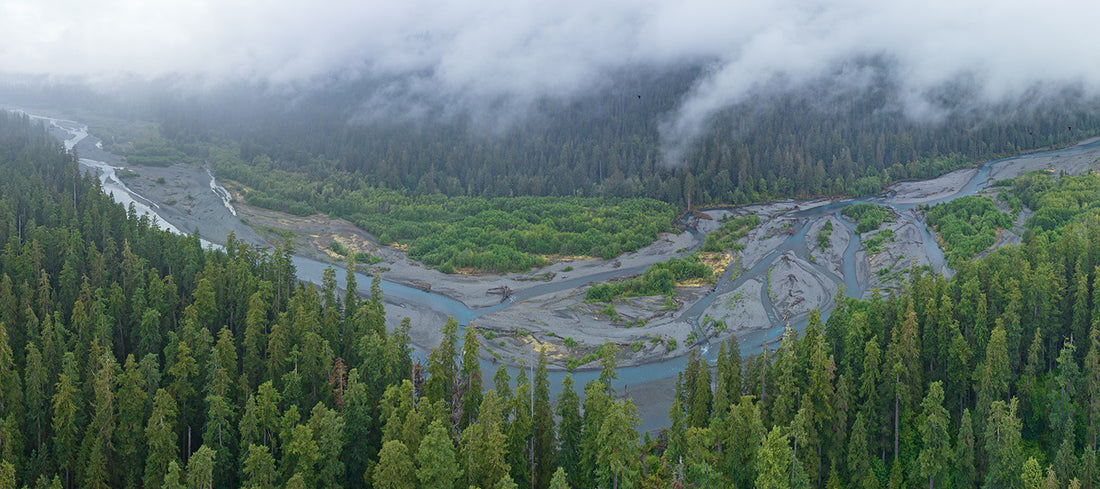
x=748, y=301
x=782, y=273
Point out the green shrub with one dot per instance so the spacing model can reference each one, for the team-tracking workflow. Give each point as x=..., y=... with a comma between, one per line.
x=874, y=243
x=824, y=234
x=726, y=237
x=369, y=259
x=968, y=225
x=659, y=279
x=868, y=216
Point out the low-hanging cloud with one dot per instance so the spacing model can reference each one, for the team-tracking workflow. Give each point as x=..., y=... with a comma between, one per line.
x=480, y=55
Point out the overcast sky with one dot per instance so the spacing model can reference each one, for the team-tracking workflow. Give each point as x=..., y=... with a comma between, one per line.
x=520, y=50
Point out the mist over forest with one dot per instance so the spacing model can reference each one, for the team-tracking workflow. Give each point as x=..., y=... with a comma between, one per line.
x=530, y=149
x=850, y=131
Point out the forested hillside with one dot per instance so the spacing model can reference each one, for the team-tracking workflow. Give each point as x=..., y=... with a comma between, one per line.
x=822, y=140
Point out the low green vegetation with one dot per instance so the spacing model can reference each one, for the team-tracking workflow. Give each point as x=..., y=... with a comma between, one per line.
x=338, y=248
x=155, y=151
x=659, y=279
x=360, y=257
x=718, y=324
x=369, y=259
x=1057, y=201
x=610, y=311
x=967, y=226
x=868, y=216
x=824, y=234
x=732, y=230
x=874, y=243
x=495, y=235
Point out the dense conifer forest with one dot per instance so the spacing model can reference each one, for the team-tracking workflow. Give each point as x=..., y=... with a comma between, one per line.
x=131, y=357
x=775, y=144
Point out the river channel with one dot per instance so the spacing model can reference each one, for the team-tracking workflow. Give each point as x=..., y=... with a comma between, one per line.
x=654, y=416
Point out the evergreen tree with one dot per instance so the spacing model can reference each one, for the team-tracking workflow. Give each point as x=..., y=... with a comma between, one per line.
x=728, y=367
x=543, y=427
x=819, y=403
x=470, y=377
x=255, y=337
x=993, y=377
x=966, y=471
x=160, y=433
x=219, y=435
x=1031, y=475
x=1062, y=395
x=858, y=458
x=935, y=457
x=617, y=456
x=560, y=480
x=130, y=431
x=1002, y=445
x=259, y=468
x=1091, y=371
x=11, y=388
x=67, y=406
x=360, y=430
x=483, y=445
x=774, y=465
x=200, y=469
x=520, y=430
x=742, y=442
x=608, y=373
x=395, y=468
x=328, y=431
x=7, y=475
x=436, y=459
x=300, y=451
x=97, y=450
x=36, y=397
x=506, y=482
x=904, y=363
x=173, y=478
x=440, y=385
x=569, y=431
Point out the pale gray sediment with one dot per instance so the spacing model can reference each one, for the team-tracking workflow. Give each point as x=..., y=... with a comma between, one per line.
x=549, y=303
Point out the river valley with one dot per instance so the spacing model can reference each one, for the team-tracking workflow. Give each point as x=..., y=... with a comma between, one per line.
x=775, y=281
